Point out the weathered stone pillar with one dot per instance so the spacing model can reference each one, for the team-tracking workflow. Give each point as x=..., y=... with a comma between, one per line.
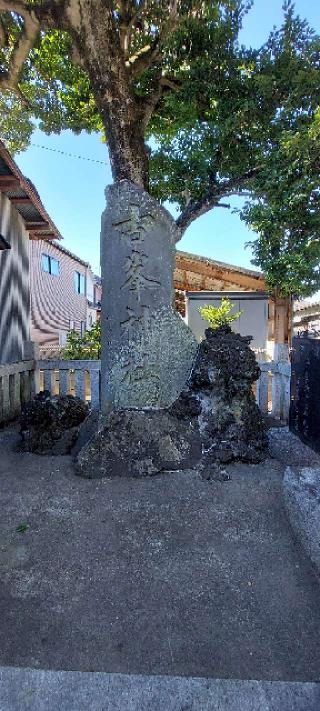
x=147, y=350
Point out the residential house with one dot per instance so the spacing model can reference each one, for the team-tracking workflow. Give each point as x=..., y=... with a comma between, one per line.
x=62, y=293
x=45, y=290
x=22, y=218
x=97, y=295
x=306, y=316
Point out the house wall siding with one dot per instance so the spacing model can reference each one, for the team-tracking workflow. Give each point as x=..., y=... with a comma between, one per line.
x=14, y=284
x=54, y=302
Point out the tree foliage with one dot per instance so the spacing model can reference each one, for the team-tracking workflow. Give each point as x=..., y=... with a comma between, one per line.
x=284, y=209
x=286, y=213
x=221, y=119
x=86, y=347
x=170, y=48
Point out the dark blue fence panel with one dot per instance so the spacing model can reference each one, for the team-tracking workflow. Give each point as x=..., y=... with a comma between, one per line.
x=304, y=418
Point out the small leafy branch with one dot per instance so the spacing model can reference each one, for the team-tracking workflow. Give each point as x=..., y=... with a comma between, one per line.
x=219, y=315
x=22, y=528
x=86, y=347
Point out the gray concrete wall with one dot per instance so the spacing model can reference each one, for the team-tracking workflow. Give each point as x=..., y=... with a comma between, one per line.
x=252, y=322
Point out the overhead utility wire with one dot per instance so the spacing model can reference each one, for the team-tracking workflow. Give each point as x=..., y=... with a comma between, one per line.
x=69, y=155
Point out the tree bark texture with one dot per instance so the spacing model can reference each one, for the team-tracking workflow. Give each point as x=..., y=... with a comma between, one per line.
x=98, y=44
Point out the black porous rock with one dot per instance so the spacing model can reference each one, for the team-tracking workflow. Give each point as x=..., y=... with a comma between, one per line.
x=137, y=443
x=230, y=422
x=50, y=425
x=214, y=421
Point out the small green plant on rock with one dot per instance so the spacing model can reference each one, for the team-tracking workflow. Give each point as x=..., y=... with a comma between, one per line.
x=86, y=347
x=219, y=315
x=22, y=528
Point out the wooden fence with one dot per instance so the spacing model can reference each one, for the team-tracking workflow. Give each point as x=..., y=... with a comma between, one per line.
x=73, y=377
x=18, y=384
x=273, y=389
x=21, y=381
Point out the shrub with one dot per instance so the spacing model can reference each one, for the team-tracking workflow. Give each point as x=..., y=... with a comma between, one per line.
x=86, y=347
x=219, y=315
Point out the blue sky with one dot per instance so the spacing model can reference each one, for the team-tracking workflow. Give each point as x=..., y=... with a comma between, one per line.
x=73, y=189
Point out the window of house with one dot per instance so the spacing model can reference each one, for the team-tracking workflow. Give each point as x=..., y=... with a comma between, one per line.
x=50, y=265
x=79, y=283
x=63, y=338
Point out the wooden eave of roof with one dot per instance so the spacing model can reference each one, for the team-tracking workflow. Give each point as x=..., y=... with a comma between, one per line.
x=22, y=195
x=190, y=264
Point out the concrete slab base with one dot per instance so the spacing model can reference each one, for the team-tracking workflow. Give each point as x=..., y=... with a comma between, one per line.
x=39, y=690
x=301, y=488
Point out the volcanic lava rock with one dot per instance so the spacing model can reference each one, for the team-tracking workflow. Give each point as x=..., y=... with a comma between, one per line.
x=230, y=422
x=214, y=421
x=50, y=425
x=136, y=443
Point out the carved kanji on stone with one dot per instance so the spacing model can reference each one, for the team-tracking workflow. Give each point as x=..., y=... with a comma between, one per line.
x=135, y=227
x=133, y=230
x=134, y=318
x=135, y=279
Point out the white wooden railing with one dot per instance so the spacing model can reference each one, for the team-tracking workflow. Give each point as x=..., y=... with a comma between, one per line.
x=19, y=382
x=73, y=377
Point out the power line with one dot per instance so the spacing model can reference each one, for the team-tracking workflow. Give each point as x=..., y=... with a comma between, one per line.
x=69, y=155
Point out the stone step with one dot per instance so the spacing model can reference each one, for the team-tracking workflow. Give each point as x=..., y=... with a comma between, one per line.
x=23, y=689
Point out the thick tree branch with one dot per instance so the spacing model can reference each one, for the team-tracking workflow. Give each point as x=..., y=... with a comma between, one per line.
x=226, y=189
x=35, y=17
x=95, y=31
x=125, y=20
x=149, y=104
x=3, y=34
x=128, y=14
x=152, y=52
x=10, y=79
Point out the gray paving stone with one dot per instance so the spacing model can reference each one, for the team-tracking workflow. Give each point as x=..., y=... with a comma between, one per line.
x=38, y=690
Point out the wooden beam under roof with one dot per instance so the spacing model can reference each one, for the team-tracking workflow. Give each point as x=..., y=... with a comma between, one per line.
x=8, y=184
x=48, y=235
x=8, y=179
x=220, y=273
x=20, y=200
x=37, y=226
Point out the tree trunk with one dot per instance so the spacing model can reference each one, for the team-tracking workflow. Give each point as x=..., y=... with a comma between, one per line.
x=95, y=35
x=147, y=350
x=127, y=150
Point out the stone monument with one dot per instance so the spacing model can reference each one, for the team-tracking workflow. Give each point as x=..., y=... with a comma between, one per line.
x=147, y=350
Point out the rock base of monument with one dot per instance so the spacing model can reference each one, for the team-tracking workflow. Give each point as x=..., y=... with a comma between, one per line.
x=214, y=421
x=137, y=443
